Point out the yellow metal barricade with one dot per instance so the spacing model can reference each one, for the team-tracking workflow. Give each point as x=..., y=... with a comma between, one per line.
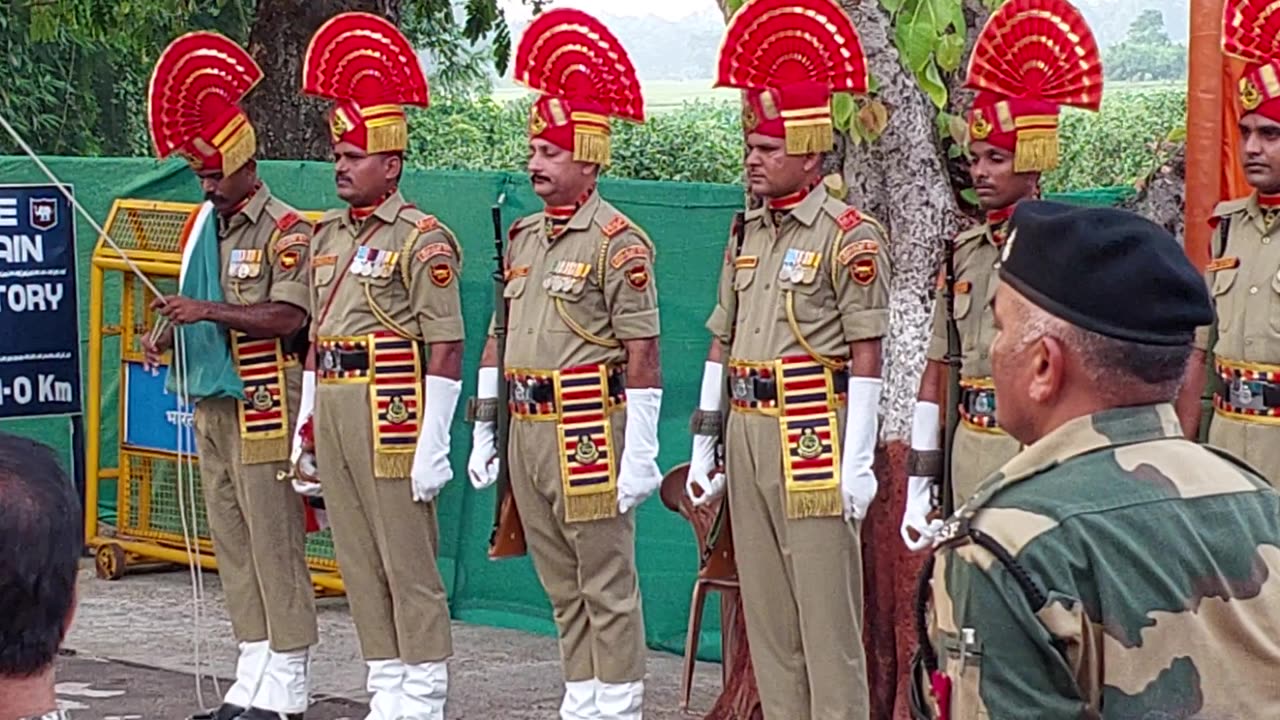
x=158, y=519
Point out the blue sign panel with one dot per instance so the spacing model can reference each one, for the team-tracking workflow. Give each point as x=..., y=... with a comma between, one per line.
x=40, y=355
x=154, y=419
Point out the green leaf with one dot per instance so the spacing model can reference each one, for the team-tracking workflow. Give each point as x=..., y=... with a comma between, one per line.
x=873, y=83
x=842, y=110
x=950, y=52
x=915, y=40
x=931, y=82
x=892, y=6
x=1178, y=134
x=969, y=195
x=733, y=5
x=954, y=151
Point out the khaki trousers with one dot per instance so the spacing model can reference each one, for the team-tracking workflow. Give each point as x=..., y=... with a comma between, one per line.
x=385, y=542
x=258, y=525
x=1258, y=444
x=801, y=586
x=975, y=455
x=587, y=568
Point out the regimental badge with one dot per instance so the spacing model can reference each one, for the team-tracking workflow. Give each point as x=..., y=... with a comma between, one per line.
x=586, y=452
x=863, y=270
x=43, y=213
x=397, y=412
x=289, y=259
x=1250, y=97
x=809, y=445
x=979, y=127
x=441, y=274
x=338, y=124
x=262, y=400
x=537, y=123
x=638, y=277
x=750, y=120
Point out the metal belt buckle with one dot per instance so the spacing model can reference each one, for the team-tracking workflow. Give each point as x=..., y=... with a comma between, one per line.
x=329, y=360
x=984, y=403
x=1243, y=395
x=522, y=390
x=742, y=388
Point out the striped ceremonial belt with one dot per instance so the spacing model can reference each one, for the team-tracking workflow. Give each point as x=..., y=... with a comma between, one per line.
x=588, y=467
x=1250, y=391
x=810, y=438
x=263, y=413
x=978, y=405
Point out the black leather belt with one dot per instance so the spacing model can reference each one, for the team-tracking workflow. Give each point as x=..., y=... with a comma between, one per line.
x=335, y=360
x=758, y=389
x=543, y=390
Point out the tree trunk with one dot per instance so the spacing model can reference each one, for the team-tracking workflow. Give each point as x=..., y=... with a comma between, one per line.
x=290, y=125
x=1162, y=198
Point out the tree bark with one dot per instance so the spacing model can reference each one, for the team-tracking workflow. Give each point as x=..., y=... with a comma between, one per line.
x=288, y=124
x=1162, y=198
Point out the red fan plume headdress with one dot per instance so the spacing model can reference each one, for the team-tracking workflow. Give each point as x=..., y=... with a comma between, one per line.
x=368, y=67
x=585, y=78
x=1032, y=57
x=1249, y=32
x=192, y=102
x=790, y=56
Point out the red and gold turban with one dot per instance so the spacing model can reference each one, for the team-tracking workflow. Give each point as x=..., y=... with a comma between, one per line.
x=790, y=56
x=585, y=78
x=1249, y=32
x=368, y=67
x=192, y=102
x=1032, y=57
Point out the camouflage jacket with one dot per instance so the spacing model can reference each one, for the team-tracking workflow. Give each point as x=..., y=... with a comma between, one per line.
x=1112, y=570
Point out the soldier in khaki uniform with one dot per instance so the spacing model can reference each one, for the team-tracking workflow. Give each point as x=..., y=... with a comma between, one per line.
x=801, y=310
x=582, y=361
x=387, y=327
x=256, y=521
x=1244, y=273
x=1013, y=138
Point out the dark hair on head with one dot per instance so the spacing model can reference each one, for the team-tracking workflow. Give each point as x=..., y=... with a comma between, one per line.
x=41, y=536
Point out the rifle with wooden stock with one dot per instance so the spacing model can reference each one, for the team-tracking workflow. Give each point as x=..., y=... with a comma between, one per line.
x=507, y=537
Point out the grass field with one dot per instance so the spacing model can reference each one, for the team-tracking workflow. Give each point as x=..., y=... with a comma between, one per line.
x=666, y=95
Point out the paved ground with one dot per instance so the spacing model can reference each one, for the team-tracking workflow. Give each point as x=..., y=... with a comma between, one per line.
x=130, y=656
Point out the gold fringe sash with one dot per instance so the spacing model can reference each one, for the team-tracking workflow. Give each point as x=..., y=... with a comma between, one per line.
x=805, y=137
x=588, y=469
x=591, y=146
x=1036, y=150
x=264, y=436
x=395, y=401
x=810, y=439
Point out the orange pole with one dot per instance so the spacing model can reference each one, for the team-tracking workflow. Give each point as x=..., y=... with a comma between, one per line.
x=1206, y=74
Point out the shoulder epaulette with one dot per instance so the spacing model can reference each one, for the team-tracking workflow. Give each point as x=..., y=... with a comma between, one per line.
x=330, y=216
x=973, y=233
x=1231, y=207
x=849, y=219
x=287, y=220
x=616, y=226
x=427, y=224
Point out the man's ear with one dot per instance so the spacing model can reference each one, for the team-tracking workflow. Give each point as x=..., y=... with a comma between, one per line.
x=395, y=165
x=1048, y=367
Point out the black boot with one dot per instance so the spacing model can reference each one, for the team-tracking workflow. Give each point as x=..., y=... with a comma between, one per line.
x=225, y=711
x=260, y=714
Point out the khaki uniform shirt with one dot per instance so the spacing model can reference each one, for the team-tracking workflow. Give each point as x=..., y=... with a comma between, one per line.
x=976, y=257
x=825, y=260
x=265, y=249
x=1244, y=279
x=573, y=299
x=396, y=270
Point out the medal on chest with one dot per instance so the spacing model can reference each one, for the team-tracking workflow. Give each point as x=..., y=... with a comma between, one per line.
x=245, y=264
x=566, y=275
x=799, y=266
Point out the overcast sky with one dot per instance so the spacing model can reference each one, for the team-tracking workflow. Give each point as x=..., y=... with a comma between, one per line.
x=667, y=9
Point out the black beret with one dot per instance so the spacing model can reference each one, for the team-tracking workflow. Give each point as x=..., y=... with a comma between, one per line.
x=1109, y=271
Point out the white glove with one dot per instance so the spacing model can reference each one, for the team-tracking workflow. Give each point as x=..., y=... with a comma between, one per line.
x=306, y=406
x=639, y=476
x=924, y=436
x=431, y=469
x=700, y=484
x=483, y=465
x=857, y=481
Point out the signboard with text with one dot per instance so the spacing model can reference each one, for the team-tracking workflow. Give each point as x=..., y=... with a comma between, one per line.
x=154, y=419
x=39, y=320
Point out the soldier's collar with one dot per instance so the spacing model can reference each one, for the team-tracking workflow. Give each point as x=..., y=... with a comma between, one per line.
x=251, y=206
x=1001, y=215
x=587, y=207
x=806, y=210
x=387, y=209
x=1085, y=434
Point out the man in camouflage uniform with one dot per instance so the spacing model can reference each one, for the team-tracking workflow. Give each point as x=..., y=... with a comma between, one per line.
x=1113, y=568
x=1244, y=273
x=582, y=362
x=388, y=353
x=255, y=520
x=800, y=313
x=1013, y=138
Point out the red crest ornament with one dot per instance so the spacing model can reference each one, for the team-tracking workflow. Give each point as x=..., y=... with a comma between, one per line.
x=790, y=56
x=585, y=77
x=1249, y=32
x=1031, y=57
x=193, y=102
x=368, y=67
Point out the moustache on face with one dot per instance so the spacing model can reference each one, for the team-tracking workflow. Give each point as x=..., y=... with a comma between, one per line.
x=536, y=178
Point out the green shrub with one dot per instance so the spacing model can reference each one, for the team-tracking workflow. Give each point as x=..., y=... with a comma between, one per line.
x=701, y=141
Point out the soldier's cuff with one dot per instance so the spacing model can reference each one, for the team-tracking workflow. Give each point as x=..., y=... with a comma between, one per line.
x=924, y=463
x=718, y=324
x=485, y=410
x=637, y=325
x=293, y=293
x=865, y=324
x=1201, y=339
x=706, y=422
x=441, y=330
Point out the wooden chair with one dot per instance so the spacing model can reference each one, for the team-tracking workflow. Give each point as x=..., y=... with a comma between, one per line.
x=712, y=577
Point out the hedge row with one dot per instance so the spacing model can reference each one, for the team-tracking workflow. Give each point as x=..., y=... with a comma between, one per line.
x=700, y=142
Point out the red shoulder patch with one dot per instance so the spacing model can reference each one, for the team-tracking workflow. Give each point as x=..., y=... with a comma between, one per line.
x=428, y=223
x=849, y=219
x=616, y=226
x=287, y=221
